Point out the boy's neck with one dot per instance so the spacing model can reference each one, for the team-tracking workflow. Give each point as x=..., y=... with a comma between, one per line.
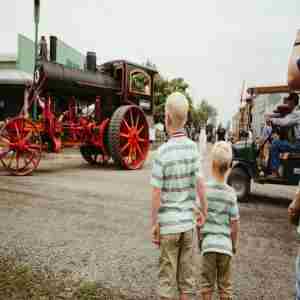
x=172, y=131
x=219, y=178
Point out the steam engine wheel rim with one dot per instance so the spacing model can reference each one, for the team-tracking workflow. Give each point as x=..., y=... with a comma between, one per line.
x=129, y=137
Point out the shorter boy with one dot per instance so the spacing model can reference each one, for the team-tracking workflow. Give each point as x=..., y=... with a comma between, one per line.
x=220, y=232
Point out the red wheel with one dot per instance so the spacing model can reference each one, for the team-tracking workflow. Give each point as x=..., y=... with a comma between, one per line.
x=129, y=137
x=20, y=146
x=93, y=155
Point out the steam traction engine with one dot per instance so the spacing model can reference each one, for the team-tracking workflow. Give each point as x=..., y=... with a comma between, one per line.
x=102, y=111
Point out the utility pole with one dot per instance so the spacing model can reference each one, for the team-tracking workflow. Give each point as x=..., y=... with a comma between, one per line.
x=36, y=22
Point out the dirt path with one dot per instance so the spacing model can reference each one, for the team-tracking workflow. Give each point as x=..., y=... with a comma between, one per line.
x=95, y=223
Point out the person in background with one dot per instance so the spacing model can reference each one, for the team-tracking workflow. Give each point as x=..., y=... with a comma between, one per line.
x=202, y=144
x=43, y=54
x=221, y=132
x=176, y=181
x=267, y=130
x=293, y=215
x=219, y=234
x=265, y=142
x=292, y=119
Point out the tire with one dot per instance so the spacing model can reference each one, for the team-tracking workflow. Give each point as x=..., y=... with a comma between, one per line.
x=241, y=183
x=129, y=144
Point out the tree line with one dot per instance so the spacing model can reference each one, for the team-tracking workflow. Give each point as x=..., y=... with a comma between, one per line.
x=199, y=112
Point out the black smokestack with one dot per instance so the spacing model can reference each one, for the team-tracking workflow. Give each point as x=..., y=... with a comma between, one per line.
x=53, y=48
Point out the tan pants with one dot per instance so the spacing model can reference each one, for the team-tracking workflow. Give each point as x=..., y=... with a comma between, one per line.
x=216, y=269
x=176, y=265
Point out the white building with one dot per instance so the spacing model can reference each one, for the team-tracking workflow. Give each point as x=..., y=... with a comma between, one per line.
x=262, y=105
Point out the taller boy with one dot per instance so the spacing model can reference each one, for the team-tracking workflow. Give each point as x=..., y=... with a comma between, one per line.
x=176, y=181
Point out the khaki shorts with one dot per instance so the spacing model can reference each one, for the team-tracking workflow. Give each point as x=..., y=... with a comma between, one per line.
x=176, y=265
x=216, y=268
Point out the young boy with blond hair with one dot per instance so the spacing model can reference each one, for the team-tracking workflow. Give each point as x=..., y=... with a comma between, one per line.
x=220, y=232
x=177, y=181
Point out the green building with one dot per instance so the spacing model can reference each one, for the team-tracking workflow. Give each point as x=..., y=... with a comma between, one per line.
x=16, y=72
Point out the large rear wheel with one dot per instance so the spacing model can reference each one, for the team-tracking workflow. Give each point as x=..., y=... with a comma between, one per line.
x=20, y=146
x=241, y=183
x=129, y=137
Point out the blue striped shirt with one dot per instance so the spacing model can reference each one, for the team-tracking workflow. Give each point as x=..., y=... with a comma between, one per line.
x=176, y=167
x=222, y=209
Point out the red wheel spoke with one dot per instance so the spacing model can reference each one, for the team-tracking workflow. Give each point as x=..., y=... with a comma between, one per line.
x=35, y=162
x=140, y=130
x=131, y=118
x=133, y=153
x=17, y=160
x=11, y=160
x=124, y=135
x=139, y=149
x=142, y=140
x=17, y=130
x=137, y=121
x=126, y=124
x=34, y=147
x=4, y=139
x=22, y=128
x=130, y=151
x=125, y=147
x=26, y=161
x=28, y=135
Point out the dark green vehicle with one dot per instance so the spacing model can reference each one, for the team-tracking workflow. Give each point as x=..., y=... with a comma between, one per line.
x=247, y=165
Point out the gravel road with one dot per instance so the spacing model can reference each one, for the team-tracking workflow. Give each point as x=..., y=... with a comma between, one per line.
x=95, y=222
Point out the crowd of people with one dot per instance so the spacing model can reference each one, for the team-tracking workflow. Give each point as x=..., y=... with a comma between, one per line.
x=185, y=204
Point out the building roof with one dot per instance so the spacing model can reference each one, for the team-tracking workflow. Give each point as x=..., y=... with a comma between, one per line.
x=271, y=89
x=147, y=68
x=8, y=57
x=15, y=77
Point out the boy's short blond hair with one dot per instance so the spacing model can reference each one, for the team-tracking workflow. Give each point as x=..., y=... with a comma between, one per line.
x=222, y=155
x=177, y=108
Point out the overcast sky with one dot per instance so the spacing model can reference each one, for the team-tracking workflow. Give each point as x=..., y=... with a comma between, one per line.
x=213, y=44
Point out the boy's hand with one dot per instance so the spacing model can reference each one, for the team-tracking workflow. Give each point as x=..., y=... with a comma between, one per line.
x=156, y=235
x=200, y=219
x=294, y=210
x=234, y=248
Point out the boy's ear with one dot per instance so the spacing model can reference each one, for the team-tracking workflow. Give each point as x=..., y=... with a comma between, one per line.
x=168, y=119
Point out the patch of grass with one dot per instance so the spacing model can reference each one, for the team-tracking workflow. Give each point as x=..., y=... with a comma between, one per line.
x=21, y=282
x=87, y=291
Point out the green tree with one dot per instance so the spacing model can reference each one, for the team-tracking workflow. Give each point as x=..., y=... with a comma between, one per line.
x=201, y=113
x=163, y=88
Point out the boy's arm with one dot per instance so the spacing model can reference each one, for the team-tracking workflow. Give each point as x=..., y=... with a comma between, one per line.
x=294, y=209
x=234, y=224
x=201, y=193
x=200, y=185
x=155, y=208
x=155, y=204
x=235, y=232
x=157, y=184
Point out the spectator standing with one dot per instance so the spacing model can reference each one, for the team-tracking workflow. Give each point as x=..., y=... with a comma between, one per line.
x=221, y=132
x=43, y=55
x=202, y=144
x=176, y=180
x=219, y=234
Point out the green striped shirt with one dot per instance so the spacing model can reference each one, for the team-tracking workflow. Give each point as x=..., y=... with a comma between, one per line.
x=176, y=167
x=222, y=209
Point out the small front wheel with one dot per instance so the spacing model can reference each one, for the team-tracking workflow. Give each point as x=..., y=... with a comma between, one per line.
x=241, y=183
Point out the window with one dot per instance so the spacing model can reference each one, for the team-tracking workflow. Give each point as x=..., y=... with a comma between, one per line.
x=140, y=82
